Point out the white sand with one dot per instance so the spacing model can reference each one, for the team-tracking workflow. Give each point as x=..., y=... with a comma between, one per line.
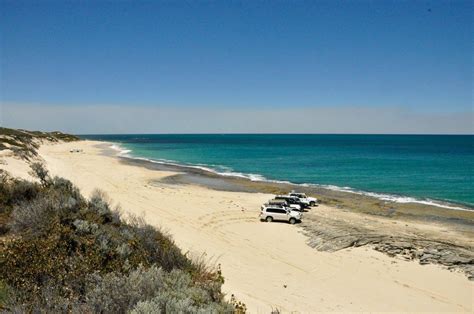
x=257, y=258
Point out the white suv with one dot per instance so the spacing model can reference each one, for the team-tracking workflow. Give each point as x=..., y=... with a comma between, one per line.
x=310, y=200
x=283, y=203
x=270, y=213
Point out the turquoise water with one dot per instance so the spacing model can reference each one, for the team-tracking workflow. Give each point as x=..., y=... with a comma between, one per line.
x=425, y=167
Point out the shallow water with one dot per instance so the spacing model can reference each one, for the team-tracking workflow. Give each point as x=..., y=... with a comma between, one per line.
x=396, y=167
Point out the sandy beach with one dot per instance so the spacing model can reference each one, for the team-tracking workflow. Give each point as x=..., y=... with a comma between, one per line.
x=265, y=265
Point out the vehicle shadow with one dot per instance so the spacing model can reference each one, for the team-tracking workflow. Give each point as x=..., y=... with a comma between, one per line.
x=280, y=222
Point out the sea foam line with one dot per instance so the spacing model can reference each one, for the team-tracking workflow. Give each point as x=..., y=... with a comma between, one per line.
x=252, y=176
x=122, y=152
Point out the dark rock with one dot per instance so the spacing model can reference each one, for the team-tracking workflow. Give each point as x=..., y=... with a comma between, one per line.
x=326, y=234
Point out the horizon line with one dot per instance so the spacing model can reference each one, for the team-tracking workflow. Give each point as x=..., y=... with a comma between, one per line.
x=243, y=133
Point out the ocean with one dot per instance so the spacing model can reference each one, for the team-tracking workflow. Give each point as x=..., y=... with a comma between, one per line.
x=431, y=169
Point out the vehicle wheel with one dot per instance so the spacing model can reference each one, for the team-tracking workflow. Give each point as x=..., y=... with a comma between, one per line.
x=292, y=221
x=312, y=203
x=269, y=219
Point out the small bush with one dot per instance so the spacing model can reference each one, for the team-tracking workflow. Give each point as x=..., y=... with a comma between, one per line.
x=160, y=247
x=62, y=186
x=35, y=217
x=117, y=293
x=14, y=192
x=85, y=227
x=207, y=275
x=180, y=295
x=3, y=292
x=39, y=171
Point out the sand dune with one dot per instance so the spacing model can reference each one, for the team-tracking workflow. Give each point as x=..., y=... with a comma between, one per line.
x=266, y=265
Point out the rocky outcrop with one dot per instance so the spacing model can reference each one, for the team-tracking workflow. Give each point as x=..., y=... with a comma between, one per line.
x=430, y=252
x=332, y=234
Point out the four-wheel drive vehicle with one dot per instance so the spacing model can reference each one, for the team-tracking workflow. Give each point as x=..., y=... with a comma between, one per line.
x=302, y=196
x=293, y=200
x=270, y=213
x=283, y=203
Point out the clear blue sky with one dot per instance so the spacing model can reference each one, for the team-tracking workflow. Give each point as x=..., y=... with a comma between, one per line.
x=235, y=54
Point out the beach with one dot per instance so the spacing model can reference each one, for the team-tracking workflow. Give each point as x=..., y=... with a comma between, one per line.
x=274, y=265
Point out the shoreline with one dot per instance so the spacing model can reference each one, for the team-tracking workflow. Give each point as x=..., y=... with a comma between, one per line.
x=300, y=268
x=208, y=171
x=454, y=254
x=344, y=199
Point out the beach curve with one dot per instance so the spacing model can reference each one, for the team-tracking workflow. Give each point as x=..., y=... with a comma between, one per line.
x=290, y=276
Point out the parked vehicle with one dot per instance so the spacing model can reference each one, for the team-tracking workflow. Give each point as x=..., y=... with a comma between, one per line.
x=293, y=200
x=279, y=213
x=283, y=203
x=302, y=196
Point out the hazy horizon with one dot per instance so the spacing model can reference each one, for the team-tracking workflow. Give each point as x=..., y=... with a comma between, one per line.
x=237, y=67
x=104, y=119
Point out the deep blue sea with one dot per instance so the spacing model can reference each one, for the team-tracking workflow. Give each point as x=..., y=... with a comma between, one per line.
x=402, y=168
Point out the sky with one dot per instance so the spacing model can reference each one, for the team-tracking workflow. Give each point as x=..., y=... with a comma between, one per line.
x=237, y=66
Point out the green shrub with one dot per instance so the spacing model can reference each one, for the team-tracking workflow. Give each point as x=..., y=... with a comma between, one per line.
x=68, y=254
x=56, y=205
x=14, y=192
x=35, y=217
x=160, y=248
x=179, y=294
x=117, y=293
x=3, y=292
x=39, y=171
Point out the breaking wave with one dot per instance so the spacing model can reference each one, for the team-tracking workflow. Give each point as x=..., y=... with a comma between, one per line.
x=229, y=172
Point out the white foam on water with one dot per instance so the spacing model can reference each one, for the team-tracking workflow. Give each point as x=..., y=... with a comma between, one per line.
x=229, y=172
x=394, y=198
x=121, y=151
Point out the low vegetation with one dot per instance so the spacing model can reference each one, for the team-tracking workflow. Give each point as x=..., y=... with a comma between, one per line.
x=61, y=252
x=25, y=143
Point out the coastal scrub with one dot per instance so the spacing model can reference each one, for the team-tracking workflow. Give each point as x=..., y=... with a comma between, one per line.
x=61, y=252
